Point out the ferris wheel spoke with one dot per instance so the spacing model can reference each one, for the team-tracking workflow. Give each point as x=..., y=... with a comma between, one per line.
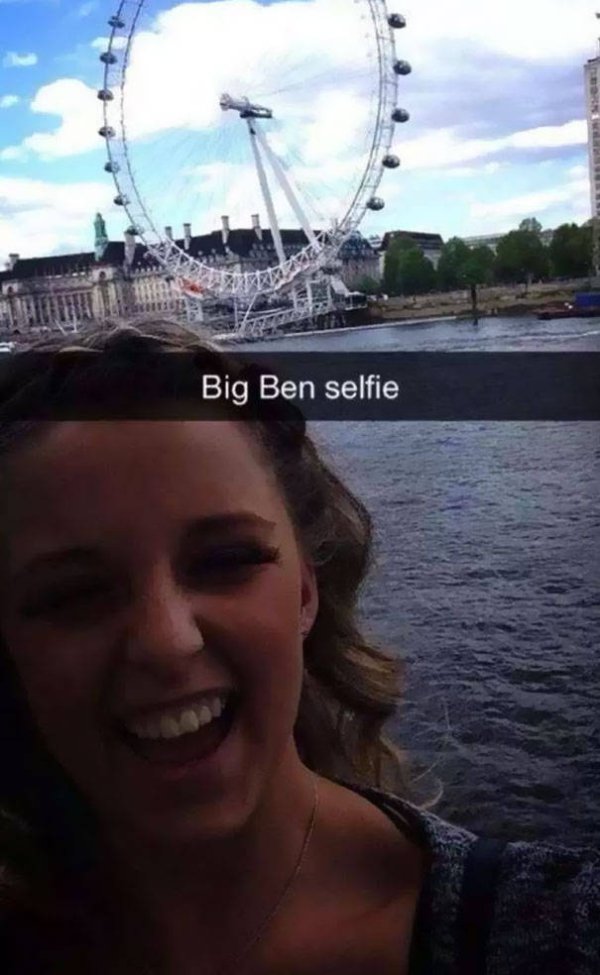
x=307, y=83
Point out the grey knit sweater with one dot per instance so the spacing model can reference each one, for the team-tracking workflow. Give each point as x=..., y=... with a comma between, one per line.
x=546, y=914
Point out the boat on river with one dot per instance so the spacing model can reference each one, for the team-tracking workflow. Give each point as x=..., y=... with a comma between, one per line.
x=586, y=304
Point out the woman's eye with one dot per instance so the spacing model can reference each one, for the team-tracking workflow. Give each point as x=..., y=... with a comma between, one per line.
x=64, y=598
x=234, y=558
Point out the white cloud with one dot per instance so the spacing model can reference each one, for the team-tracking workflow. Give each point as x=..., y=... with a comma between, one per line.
x=13, y=60
x=503, y=213
x=7, y=101
x=12, y=153
x=533, y=31
x=281, y=52
x=38, y=217
x=577, y=172
x=443, y=148
x=81, y=115
x=273, y=54
x=85, y=9
x=485, y=169
x=101, y=43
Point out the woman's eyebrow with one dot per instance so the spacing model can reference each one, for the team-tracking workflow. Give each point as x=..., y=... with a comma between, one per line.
x=86, y=556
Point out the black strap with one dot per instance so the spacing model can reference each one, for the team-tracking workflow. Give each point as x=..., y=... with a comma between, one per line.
x=477, y=904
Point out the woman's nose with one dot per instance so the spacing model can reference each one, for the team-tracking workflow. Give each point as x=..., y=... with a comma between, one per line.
x=164, y=624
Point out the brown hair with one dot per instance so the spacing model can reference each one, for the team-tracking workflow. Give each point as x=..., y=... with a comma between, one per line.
x=351, y=687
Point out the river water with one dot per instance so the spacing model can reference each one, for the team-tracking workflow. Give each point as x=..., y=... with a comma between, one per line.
x=487, y=585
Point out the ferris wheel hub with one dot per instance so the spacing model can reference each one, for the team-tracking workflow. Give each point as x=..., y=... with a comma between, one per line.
x=245, y=107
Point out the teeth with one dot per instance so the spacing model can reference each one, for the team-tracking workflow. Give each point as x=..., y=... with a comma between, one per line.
x=189, y=721
x=185, y=722
x=169, y=728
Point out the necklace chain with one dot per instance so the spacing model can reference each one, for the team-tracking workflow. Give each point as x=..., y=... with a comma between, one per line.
x=224, y=969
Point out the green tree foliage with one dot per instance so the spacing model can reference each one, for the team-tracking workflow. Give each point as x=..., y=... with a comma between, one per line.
x=397, y=247
x=450, y=270
x=417, y=273
x=478, y=267
x=368, y=285
x=521, y=257
x=531, y=224
x=571, y=251
x=391, y=281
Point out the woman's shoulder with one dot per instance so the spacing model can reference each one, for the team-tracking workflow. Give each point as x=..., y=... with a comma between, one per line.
x=545, y=903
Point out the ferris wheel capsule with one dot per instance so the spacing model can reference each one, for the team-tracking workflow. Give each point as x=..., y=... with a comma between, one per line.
x=108, y=57
x=400, y=115
x=390, y=161
x=111, y=167
x=116, y=23
x=105, y=95
x=402, y=67
x=397, y=21
x=121, y=200
x=107, y=132
x=375, y=203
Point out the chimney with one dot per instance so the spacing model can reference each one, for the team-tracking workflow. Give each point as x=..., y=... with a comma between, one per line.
x=225, y=230
x=187, y=235
x=129, y=248
x=256, y=225
x=12, y=260
x=169, y=232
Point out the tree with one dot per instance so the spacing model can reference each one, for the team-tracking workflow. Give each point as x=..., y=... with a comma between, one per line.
x=571, y=251
x=406, y=270
x=521, y=257
x=391, y=277
x=417, y=274
x=450, y=270
x=531, y=224
x=368, y=285
x=478, y=267
x=392, y=282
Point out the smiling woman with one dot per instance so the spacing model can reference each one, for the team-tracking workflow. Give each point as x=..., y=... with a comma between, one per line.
x=195, y=775
x=181, y=666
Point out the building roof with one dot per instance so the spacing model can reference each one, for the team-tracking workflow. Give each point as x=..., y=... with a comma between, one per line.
x=240, y=243
x=58, y=265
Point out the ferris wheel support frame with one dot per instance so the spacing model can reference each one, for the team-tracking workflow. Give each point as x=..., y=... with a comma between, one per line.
x=323, y=246
x=287, y=189
x=266, y=192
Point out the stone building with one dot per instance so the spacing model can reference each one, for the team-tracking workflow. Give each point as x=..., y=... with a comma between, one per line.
x=122, y=278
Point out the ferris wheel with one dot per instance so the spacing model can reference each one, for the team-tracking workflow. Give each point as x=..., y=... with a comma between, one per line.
x=212, y=108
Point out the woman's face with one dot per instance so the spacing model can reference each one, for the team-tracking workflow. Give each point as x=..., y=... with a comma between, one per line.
x=97, y=634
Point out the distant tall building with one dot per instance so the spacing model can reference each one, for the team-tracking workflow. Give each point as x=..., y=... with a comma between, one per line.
x=592, y=87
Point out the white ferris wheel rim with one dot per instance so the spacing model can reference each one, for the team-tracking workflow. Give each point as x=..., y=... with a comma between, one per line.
x=316, y=254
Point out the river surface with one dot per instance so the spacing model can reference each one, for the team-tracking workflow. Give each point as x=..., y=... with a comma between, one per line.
x=487, y=585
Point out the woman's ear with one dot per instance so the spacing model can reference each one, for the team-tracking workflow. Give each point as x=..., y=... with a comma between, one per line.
x=309, y=597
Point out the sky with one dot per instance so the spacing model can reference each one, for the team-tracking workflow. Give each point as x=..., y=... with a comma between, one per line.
x=496, y=97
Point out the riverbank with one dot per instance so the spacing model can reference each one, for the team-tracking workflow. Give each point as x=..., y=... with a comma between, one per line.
x=498, y=301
